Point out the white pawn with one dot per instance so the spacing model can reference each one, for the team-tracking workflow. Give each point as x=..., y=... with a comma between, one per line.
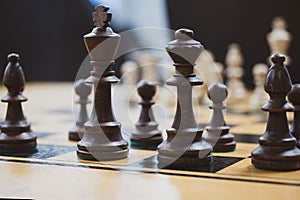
x=234, y=72
x=259, y=96
x=129, y=71
x=167, y=94
x=279, y=38
x=209, y=71
x=149, y=67
x=216, y=73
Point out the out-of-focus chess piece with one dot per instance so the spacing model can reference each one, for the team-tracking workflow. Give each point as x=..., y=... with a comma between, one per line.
x=294, y=98
x=129, y=71
x=216, y=74
x=279, y=39
x=234, y=72
x=259, y=96
x=149, y=67
x=83, y=90
x=167, y=95
x=209, y=71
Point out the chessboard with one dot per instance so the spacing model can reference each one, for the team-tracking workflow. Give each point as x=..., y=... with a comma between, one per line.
x=55, y=172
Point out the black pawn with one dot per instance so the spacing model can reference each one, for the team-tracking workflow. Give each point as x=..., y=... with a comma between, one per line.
x=16, y=135
x=146, y=135
x=277, y=150
x=217, y=131
x=83, y=90
x=294, y=98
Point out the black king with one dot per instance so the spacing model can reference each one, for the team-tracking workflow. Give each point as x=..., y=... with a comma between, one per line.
x=102, y=139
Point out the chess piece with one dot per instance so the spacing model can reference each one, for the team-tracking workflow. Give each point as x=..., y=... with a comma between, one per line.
x=149, y=67
x=277, y=147
x=129, y=70
x=184, y=147
x=234, y=72
x=217, y=131
x=102, y=139
x=16, y=135
x=259, y=96
x=279, y=39
x=167, y=95
x=204, y=64
x=294, y=98
x=216, y=73
x=209, y=71
x=146, y=135
x=83, y=90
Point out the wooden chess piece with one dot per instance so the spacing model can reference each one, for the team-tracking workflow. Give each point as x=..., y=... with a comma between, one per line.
x=129, y=71
x=217, y=131
x=294, y=98
x=83, y=90
x=279, y=39
x=277, y=147
x=149, y=67
x=184, y=147
x=208, y=70
x=234, y=72
x=146, y=135
x=102, y=139
x=16, y=135
x=216, y=73
x=259, y=96
x=204, y=64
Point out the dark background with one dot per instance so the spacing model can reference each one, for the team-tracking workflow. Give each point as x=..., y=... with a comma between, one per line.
x=48, y=33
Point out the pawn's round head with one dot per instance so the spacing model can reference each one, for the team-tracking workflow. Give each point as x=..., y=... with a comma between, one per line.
x=278, y=58
x=217, y=92
x=146, y=89
x=234, y=47
x=279, y=23
x=81, y=88
x=260, y=69
x=184, y=34
x=13, y=57
x=294, y=95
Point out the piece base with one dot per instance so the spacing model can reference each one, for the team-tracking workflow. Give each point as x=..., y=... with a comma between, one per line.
x=225, y=143
x=285, y=160
x=276, y=165
x=146, y=143
x=226, y=147
x=75, y=136
x=104, y=152
x=102, y=156
x=19, y=143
